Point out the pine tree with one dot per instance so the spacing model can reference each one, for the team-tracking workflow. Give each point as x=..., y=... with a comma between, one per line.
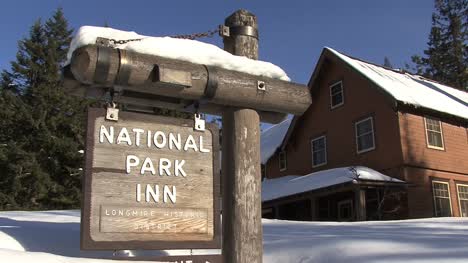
x=387, y=63
x=43, y=127
x=446, y=58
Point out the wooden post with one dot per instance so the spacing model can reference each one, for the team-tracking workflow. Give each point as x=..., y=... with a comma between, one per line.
x=242, y=212
x=313, y=209
x=360, y=201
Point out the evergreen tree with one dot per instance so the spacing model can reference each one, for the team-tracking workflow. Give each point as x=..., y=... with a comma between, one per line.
x=43, y=127
x=387, y=63
x=446, y=58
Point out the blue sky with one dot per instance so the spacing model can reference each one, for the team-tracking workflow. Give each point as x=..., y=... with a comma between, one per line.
x=292, y=33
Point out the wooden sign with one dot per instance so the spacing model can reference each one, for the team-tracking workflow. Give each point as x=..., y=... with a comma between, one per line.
x=150, y=182
x=177, y=259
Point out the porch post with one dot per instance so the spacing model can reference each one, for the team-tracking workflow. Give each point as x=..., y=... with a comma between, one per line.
x=360, y=203
x=313, y=208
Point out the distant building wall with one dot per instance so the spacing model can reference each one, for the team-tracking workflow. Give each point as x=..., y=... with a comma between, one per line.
x=361, y=100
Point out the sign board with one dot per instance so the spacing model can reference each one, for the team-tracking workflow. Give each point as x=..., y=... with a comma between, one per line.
x=150, y=182
x=177, y=259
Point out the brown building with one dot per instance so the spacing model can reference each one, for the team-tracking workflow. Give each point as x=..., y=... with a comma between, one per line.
x=401, y=125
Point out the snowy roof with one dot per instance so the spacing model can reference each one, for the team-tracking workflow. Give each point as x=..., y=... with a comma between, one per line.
x=181, y=49
x=271, y=139
x=292, y=184
x=412, y=89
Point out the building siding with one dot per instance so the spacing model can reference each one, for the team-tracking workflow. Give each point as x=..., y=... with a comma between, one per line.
x=361, y=100
x=424, y=164
x=454, y=157
x=400, y=136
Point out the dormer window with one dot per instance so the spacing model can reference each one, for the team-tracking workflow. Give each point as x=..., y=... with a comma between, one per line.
x=336, y=95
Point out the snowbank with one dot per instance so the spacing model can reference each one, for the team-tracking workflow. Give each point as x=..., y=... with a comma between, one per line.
x=292, y=184
x=412, y=89
x=181, y=49
x=416, y=241
x=272, y=138
x=53, y=236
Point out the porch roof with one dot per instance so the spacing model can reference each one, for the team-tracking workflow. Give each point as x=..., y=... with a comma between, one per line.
x=292, y=184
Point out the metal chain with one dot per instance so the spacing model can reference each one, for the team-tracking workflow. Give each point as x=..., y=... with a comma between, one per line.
x=120, y=42
x=209, y=33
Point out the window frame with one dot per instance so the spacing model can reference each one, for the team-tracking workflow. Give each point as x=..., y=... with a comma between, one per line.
x=331, y=95
x=371, y=118
x=449, y=196
x=285, y=161
x=345, y=202
x=427, y=134
x=325, y=149
x=459, y=199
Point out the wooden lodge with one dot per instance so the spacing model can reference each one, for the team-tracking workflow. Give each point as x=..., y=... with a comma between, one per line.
x=364, y=116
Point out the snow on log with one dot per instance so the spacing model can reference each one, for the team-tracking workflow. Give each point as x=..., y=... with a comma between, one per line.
x=180, y=49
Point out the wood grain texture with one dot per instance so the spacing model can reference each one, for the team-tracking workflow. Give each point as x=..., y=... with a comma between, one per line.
x=176, y=259
x=242, y=226
x=235, y=89
x=75, y=88
x=113, y=218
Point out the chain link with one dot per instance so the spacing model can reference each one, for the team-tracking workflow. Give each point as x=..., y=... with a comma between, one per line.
x=120, y=42
x=209, y=33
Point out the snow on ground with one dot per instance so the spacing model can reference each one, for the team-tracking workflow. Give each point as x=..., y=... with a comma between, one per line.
x=423, y=240
x=294, y=184
x=53, y=236
x=412, y=89
x=181, y=49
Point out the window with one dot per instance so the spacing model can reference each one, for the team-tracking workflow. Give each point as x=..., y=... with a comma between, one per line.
x=282, y=161
x=365, y=135
x=336, y=95
x=441, y=193
x=434, y=133
x=463, y=199
x=319, y=151
x=345, y=210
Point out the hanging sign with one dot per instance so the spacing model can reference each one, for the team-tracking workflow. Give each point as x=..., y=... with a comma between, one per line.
x=150, y=182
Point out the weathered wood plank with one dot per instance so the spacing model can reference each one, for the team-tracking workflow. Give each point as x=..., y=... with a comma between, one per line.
x=235, y=89
x=242, y=228
x=148, y=101
x=176, y=259
x=125, y=158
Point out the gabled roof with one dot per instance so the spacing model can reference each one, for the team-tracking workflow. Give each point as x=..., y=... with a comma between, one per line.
x=271, y=139
x=290, y=185
x=405, y=88
x=411, y=89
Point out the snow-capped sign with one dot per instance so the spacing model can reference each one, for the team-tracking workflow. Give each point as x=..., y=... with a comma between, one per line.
x=151, y=182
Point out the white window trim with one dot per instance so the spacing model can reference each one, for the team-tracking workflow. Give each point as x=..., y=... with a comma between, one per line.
x=459, y=199
x=427, y=134
x=449, y=196
x=285, y=159
x=312, y=149
x=342, y=94
x=356, y=135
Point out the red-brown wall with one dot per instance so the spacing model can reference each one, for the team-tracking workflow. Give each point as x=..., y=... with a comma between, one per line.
x=454, y=158
x=424, y=164
x=361, y=100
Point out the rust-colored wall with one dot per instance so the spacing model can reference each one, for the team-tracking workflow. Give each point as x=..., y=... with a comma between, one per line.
x=454, y=158
x=361, y=100
x=420, y=198
x=401, y=147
